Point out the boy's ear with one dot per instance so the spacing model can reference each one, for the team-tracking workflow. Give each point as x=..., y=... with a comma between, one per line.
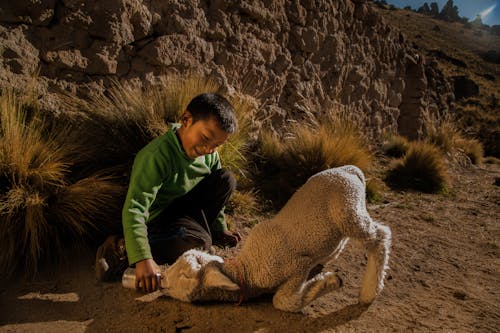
x=186, y=118
x=215, y=279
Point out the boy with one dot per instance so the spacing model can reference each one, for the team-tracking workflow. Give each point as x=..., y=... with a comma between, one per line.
x=176, y=195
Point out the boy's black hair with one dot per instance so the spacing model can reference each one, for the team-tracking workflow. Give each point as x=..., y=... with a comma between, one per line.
x=208, y=105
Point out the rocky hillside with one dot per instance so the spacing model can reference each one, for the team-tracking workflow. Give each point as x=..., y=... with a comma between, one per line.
x=293, y=55
x=469, y=54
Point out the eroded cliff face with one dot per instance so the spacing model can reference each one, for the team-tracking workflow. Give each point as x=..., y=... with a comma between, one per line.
x=293, y=55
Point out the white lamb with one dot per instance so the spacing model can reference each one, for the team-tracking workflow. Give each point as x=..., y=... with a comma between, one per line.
x=279, y=254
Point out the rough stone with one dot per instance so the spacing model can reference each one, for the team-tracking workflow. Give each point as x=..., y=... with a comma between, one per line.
x=290, y=54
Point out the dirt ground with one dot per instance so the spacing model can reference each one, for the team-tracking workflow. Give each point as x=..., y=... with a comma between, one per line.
x=444, y=277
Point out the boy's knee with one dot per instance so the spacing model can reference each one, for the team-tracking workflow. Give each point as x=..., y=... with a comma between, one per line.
x=226, y=178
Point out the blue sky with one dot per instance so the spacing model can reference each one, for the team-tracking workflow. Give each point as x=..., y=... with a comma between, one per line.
x=467, y=8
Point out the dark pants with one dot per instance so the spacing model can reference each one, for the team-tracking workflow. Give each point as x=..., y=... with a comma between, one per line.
x=185, y=224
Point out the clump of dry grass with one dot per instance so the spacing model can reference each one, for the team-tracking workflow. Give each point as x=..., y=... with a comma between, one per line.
x=243, y=203
x=233, y=152
x=421, y=169
x=444, y=133
x=286, y=164
x=44, y=207
x=374, y=190
x=472, y=148
x=396, y=146
x=119, y=123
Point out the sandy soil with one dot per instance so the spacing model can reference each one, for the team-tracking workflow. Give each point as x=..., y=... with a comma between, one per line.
x=444, y=277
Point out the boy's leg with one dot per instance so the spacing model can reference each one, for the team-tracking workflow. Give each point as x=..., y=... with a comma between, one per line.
x=169, y=241
x=209, y=196
x=183, y=225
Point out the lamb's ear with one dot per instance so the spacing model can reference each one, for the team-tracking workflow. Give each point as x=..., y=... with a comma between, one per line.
x=215, y=279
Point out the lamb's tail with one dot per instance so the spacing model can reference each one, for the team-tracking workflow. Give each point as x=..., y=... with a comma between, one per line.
x=378, y=246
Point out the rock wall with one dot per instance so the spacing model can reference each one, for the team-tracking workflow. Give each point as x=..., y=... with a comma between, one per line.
x=293, y=55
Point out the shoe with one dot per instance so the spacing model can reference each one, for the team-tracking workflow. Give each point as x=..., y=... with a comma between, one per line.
x=111, y=259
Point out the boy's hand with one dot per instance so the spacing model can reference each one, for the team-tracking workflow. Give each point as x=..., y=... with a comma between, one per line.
x=228, y=238
x=145, y=276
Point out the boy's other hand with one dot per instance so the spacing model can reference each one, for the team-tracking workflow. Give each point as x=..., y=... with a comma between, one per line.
x=145, y=276
x=228, y=238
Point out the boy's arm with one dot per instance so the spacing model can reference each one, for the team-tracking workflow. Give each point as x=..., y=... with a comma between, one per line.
x=145, y=182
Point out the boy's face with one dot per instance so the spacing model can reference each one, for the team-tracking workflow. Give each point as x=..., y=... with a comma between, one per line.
x=201, y=137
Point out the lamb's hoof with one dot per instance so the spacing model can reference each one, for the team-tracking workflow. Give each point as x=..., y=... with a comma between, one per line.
x=364, y=304
x=366, y=300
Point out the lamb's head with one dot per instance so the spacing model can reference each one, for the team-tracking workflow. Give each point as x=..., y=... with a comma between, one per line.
x=192, y=276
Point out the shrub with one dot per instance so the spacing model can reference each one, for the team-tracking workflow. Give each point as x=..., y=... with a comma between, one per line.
x=233, y=153
x=374, y=190
x=472, y=148
x=119, y=123
x=441, y=132
x=395, y=146
x=45, y=209
x=421, y=169
x=243, y=203
x=284, y=165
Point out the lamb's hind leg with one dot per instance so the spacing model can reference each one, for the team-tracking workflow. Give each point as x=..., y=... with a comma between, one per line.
x=294, y=294
x=377, y=240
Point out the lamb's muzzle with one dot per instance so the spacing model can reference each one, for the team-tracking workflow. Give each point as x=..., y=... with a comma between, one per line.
x=279, y=254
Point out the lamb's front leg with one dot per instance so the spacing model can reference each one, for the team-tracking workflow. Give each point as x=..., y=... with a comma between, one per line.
x=294, y=294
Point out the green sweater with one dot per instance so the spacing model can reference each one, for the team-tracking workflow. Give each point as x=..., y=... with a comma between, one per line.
x=161, y=173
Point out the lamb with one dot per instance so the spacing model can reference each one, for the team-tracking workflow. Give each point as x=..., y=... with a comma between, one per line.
x=279, y=255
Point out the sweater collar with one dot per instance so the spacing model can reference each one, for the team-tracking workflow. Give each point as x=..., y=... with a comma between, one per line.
x=178, y=142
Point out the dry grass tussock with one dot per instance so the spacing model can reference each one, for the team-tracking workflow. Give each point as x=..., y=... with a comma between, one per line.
x=472, y=148
x=243, y=203
x=395, y=146
x=286, y=164
x=442, y=131
x=421, y=169
x=44, y=206
x=421, y=164
x=374, y=190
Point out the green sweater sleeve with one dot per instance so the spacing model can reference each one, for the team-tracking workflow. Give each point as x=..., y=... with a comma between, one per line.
x=145, y=182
